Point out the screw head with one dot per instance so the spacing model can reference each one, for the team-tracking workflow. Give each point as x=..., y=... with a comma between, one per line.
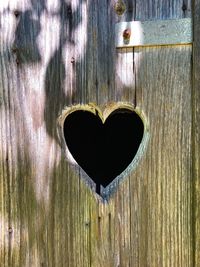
x=16, y=13
x=72, y=60
x=127, y=34
x=10, y=230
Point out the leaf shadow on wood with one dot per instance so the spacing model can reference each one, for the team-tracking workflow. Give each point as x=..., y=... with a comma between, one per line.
x=26, y=34
x=55, y=91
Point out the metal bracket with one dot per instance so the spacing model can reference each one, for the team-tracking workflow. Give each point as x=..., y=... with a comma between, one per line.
x=152, y=33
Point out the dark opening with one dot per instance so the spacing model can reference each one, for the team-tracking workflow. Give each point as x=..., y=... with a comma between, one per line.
x=103, y=150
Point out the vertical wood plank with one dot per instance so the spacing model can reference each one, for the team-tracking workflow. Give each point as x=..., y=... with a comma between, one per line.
x=161, y=222
x=195, y=133
x=58, y=53
x=165, y=175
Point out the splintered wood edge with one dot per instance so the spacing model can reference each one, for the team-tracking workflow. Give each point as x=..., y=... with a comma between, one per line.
x=103, y=112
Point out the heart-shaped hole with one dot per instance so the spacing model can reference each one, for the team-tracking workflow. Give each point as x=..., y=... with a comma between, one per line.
x=103, y=147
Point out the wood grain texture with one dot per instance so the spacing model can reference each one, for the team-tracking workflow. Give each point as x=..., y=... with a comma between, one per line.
x=60, y=53
x=196, y=134
x=167, y=191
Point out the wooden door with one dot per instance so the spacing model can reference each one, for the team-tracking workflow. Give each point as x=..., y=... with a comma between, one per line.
x=62, y=53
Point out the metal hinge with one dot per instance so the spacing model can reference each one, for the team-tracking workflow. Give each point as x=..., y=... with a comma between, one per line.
x=152, y=33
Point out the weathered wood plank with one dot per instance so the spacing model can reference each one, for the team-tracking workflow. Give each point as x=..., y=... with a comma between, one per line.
x=196, y=134
x=40, y=222
x=150, y=208
x=165, y=176
x=48, y=217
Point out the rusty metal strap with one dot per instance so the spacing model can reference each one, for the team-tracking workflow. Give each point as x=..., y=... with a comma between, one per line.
x=152, y=33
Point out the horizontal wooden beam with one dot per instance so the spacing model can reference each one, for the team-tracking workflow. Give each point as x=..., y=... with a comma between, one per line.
x=151, y=33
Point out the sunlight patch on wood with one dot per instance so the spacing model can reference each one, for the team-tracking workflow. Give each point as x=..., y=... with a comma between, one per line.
x=49, y=34
x=7, y=29
x=14, y=4
x=53, y=6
